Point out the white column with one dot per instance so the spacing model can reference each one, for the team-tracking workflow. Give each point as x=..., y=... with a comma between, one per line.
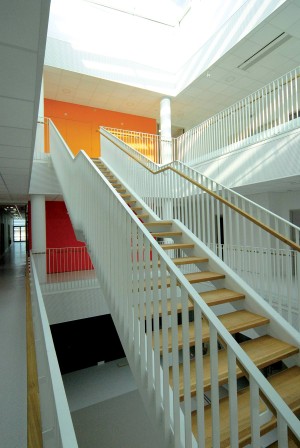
x=165, y=131
x=38, y=233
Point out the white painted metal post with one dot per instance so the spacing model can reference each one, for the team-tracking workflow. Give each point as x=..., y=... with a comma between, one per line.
x=38, y=233
x=165, y=131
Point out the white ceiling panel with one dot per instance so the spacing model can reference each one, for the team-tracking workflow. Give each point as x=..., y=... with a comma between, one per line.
x=18, y=164
x=16, y=82
x=16, y=113
x=287, y=16
x=294, y=29
x=20, y=23
x=9, y=172
x=23, y=28
x=12, y=152
x=264, y=35
x=15, y=137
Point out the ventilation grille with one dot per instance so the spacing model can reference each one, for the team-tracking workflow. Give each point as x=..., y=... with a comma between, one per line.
x=264, y=51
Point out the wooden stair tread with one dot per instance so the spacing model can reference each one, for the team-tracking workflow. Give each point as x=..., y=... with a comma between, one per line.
x=219, y=296
x=136, y=208
x=203, y=276
x=194, y=277
x=234, y=322
x=158, y=223
x=165, y=234
x=142, y=215
x=189, y=260
x=169, y=307
x=177, y=246
x=263, y=351
x=286, y=383
x=125, y=196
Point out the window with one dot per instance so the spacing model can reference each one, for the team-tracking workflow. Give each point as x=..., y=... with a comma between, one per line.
x=19, y=234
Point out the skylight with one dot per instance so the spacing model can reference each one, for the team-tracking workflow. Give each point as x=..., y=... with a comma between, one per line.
x=167, y=12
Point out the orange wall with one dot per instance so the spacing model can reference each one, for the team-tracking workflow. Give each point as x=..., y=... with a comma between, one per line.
x=78, y=125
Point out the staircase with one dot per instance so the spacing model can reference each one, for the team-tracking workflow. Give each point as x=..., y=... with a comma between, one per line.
x=256, y=332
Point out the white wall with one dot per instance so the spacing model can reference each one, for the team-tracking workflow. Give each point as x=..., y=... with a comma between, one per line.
x=273, y=159
x=280, y=203
x=43, y=179
x=8, y=232
x=64, y=306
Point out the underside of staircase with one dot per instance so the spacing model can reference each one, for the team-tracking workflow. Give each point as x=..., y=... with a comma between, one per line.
x=276, y=358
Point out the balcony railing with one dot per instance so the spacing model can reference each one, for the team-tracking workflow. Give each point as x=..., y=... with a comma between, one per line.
x=150, y=145
x=68, y=259
x=268, y=112
x=57, y=426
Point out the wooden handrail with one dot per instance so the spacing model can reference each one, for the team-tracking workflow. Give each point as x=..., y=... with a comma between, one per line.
x=213, y=194
x=34, y=423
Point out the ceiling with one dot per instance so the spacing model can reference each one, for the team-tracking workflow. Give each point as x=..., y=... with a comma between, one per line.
x=219, y=87
x=168, y=12
x=23, y=28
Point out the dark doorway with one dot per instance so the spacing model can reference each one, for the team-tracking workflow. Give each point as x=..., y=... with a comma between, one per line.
x=83, y=343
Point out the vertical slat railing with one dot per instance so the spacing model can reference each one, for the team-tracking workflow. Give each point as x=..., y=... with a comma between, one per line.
x=68, y=259
x=171, y=193
x=111, y=228
x=274, y=110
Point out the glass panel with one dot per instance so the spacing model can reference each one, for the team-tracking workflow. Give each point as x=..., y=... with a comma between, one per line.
x=19, y=234
x=23, y=233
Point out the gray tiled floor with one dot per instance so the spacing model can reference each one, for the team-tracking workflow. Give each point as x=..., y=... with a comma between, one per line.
x=13, y=383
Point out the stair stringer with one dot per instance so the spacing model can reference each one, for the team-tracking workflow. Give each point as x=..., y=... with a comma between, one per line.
x=278, y=326
x=153, y=216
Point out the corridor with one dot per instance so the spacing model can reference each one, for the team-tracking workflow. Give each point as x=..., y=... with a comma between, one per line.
x=13, y=376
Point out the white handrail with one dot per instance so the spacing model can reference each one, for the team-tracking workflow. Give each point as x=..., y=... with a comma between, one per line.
x=174, y=193
x=129, y=262
x=268, y=112
x=147, y=144
x=57, y=426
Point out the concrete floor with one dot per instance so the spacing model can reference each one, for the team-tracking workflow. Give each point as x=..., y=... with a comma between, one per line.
x=13, y=374
x=107, y=410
